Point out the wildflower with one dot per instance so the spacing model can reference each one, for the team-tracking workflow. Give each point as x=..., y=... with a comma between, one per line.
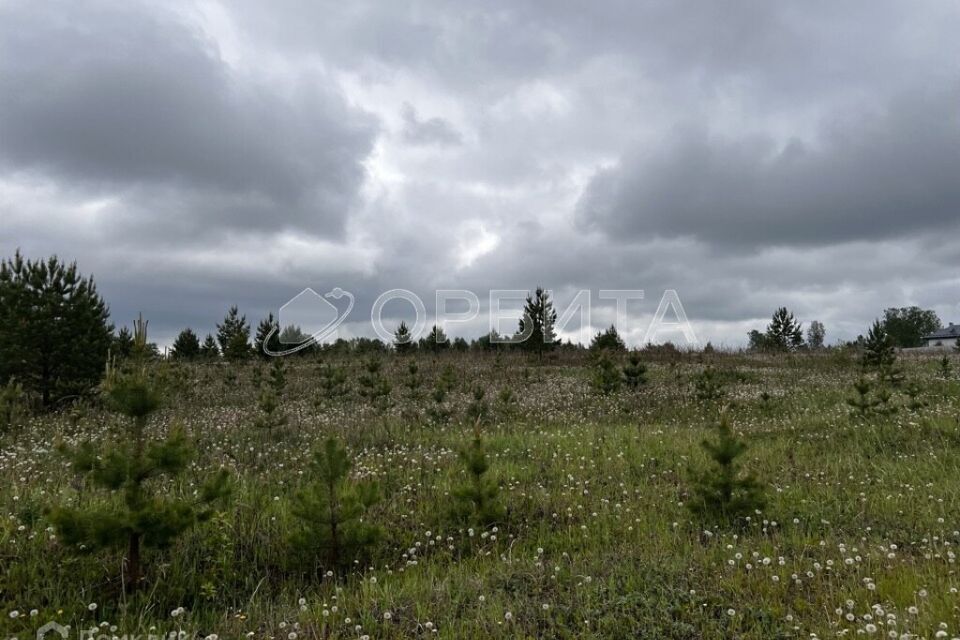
x=508, y=616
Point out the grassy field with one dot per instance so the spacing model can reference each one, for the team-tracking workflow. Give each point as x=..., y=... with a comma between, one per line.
x=858, y=536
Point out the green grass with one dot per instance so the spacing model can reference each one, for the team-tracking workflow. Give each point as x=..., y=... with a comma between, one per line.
x=862, y=520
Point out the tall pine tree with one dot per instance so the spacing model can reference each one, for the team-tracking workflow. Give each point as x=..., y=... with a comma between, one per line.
x=784, y=332
x=402, y=340
x=54, y=328
x=536, y=329
x=268, y=333
x=209, y=349
x=436, y=341
x=186, y=346
x=233, y=335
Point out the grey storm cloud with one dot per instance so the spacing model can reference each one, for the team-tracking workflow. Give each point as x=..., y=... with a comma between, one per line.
x=119, y=97
x=428, y=131
x=868, y=176
x=193, y=155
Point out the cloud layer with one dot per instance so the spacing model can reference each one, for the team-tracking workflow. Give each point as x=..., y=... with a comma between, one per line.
x=196, y=155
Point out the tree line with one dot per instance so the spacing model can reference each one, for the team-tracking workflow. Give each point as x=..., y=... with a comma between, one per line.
x=56, y=334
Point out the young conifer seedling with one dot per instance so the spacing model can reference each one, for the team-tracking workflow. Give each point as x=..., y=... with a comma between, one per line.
x=134, y=513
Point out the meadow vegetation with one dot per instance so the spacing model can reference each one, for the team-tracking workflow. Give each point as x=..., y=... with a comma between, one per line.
x=483, y=494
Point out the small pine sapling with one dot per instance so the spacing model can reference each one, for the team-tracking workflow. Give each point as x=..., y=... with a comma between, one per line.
x=374, y=387
x=478, y=500
x=414, y=380
x=892, y=375
x=946, y=368
x=506, y=402
x=884, y=405
x=863, y=403
x=128, y=469
x=707, y=386
x=478, y=411
x=765, y=400
x=271, y=415
x=447, y=379
x=333, y=381
x=278, y=377
x=606, y=377
x=438, y=411
x=332, y=511
x=634, y=372
x=914, y=402
x=878, y=349
x=723, y=493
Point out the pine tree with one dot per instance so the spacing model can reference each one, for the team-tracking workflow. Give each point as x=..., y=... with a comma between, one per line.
x=946, y=368
x=209, y=349
x=374, y=386
x=268, y=335
x=878, y=350
x=233, y=335
x=436, y=341
x=606, y=377
x=608, y=340
x=784, y=332
x=506, y=402
x=444, y=384
x=122, y=344
x=333, y=381
x=145, y=517
x=723, y=493
x=478, y=411
x=879, y=354
x=278, y=376
x=271, y=416
x=186, y=346
x=536, y=328
x=413, y=379
x=54, y=329
x=707, y=386
x=915, y=402
x=478, y=500
x=402, y=340
x=332, y=511
x=863, y=403
x=292, y=335
x=634, y=372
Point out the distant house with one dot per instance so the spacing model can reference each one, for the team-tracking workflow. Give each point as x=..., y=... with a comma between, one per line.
x=946, y=337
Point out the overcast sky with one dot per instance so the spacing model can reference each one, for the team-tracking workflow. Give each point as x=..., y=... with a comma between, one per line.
x=747, y=154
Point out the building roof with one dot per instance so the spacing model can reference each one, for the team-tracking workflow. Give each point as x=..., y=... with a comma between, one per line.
x=953, y=331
